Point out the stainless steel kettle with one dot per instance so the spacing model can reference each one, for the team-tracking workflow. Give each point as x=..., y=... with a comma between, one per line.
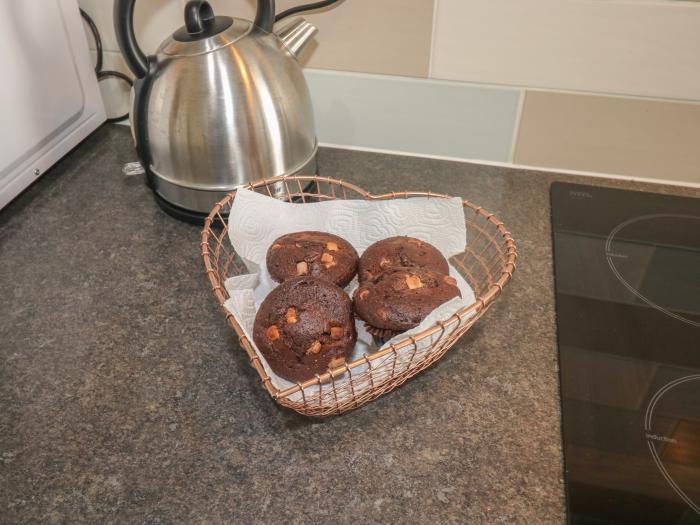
x=221, y=103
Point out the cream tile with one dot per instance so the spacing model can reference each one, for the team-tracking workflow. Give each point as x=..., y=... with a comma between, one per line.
x=97, y=10
x=646, y=48
x=154, y=20
x=88, y=34
x=626, y=136
x=391, y=37
x=236, y=8
x=114, y=91
x=115, y=61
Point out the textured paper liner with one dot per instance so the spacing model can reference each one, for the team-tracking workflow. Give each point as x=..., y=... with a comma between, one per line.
x=486, y=263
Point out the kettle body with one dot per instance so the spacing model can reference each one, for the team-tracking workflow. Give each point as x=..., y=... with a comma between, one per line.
x=223, y=102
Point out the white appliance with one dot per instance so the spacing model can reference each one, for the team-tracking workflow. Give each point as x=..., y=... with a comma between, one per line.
x=49, y=98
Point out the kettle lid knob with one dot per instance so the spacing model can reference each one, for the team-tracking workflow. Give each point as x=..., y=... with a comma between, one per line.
x=199, y=17
x=200, y=22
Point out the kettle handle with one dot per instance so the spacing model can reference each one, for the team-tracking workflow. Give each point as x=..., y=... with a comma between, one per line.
x=265, y=15
x=124, y=29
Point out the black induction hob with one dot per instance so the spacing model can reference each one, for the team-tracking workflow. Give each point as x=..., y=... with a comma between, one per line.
x=627, y=273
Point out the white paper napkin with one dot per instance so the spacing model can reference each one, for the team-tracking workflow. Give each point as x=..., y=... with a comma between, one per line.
x=256, y=221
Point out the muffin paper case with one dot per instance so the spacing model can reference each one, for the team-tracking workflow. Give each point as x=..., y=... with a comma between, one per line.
x=257, y=219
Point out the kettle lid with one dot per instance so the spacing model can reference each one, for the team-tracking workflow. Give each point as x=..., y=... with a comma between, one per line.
x=200, y=22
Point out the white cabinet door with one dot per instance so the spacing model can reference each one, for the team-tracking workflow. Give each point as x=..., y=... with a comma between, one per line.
x=49, y=99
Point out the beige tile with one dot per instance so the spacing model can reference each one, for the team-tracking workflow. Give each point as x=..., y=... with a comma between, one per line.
x=390, y=37
x=236, y=8
x=154, y=20
x=637, y=137
x=114, y=91
x=646, y=48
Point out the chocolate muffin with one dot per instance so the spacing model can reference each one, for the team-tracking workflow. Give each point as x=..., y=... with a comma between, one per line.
x=304, y=326
x=400, y=298
x=317, y=254
x=400, y=252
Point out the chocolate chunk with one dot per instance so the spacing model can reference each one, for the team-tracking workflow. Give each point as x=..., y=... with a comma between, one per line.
x=317, y=254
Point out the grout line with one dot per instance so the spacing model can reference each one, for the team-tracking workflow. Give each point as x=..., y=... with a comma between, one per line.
x=433, y=36
x=500, y=86
x=584, y=93
x=399, y=78
x=660, y=3
x=517, y=166
x=516, y=127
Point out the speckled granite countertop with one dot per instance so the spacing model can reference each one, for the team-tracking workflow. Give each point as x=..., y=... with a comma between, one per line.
x=124, y=397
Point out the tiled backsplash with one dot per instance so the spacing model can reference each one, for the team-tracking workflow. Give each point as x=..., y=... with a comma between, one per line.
x=642, y=138
x=645, y=48
x=429, y=117
x=608, y=86
x=389, y=37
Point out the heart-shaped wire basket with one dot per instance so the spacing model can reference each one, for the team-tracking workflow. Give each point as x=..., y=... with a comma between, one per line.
x=487, y=264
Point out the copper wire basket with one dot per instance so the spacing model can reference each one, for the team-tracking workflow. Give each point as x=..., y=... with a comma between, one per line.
x=487, y=264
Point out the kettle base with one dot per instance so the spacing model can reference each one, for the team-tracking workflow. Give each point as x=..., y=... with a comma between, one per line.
x=192, y=217
x=194, y=205
x=195, y=217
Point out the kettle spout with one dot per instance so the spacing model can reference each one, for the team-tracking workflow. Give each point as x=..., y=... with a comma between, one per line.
x=296, y=35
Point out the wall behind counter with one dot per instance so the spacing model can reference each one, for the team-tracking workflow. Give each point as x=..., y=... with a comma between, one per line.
x=602, y=86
